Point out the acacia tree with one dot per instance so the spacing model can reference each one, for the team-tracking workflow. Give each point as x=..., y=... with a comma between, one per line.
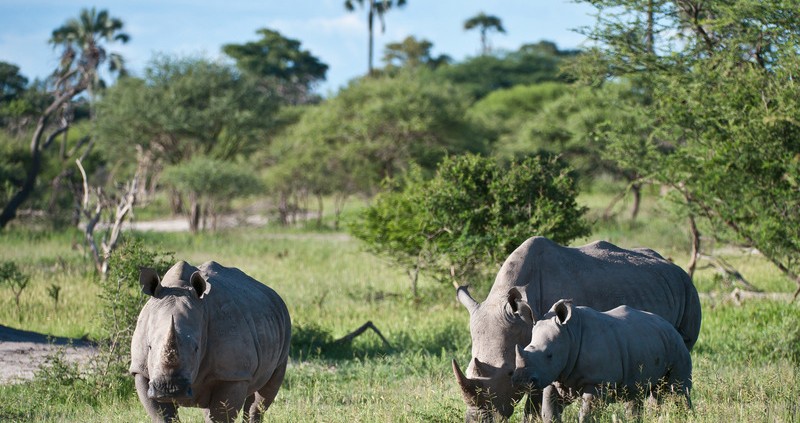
x=374, y=7
x=412, y=53
x=82, y=55
x=723, y=106
x=484, y=23
x=277, y=60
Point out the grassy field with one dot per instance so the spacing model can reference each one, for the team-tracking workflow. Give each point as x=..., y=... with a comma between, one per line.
x=746, y=362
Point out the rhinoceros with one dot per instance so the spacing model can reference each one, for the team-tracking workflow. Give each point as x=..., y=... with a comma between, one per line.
x=626, y=352
x=536, y=275
x=209, y=337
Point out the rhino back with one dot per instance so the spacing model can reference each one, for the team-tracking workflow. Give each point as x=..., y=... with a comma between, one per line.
x=627, y=347
x=249, y=328
x=602, y=276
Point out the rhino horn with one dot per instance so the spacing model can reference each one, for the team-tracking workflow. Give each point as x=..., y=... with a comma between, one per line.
x=170, y=355
x=520, y=361
x=462, y=293
x=468, y=389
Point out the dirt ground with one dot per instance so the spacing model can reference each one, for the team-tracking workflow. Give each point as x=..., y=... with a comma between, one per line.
x=23, y=352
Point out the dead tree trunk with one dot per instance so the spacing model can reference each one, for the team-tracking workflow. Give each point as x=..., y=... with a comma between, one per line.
x=122, y=205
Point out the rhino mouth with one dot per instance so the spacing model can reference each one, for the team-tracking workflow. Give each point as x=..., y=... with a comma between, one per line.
x=168, y=390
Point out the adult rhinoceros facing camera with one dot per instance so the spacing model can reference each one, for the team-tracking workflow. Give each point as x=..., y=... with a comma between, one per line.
x=209, y=337
x=536, y=275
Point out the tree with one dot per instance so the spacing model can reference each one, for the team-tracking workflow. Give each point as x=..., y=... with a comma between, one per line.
x=530, y=64
x=484, y=23
x=375, y=7
x=184, y=107
x=465, y=221
x=412, y=53
x=373, y=129
x=723, y=111
x=209, y=186
x=275, y=59
x=82, y=55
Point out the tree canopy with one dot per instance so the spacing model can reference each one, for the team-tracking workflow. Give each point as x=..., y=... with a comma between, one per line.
x=275, y=59
x=722, y=109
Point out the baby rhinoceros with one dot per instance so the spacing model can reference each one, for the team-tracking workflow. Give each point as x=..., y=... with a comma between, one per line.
x=209, y=337
x=630, y=352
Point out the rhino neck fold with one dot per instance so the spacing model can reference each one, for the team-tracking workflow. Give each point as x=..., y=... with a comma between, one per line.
x=576, y=340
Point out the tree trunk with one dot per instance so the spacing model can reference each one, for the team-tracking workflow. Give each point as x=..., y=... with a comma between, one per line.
x=636, y=189
x=695, y=246
x=319, y=210
x=369, y=24
x=194, y=216
x=28, y=185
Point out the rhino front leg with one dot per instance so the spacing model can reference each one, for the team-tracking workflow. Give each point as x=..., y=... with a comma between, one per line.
x=587, y=404
x=159, y=412
x=552, y=404
x=227, y=399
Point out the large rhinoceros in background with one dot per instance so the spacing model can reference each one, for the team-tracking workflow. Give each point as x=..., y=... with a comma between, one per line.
x=209, y=337
x=536, y=275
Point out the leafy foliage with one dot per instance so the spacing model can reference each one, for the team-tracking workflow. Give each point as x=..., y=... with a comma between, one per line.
x=210, y=185
x=11, y=276
x=372, y=130
x=275, y=59
x=722, y=107
x=530, y=64
x=471, y=215
x=122, y=299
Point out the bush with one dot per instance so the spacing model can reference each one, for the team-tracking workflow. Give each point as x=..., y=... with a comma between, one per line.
x=122, y=300
x=466, y=220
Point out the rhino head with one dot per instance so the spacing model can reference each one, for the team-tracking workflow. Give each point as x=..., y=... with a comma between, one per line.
x=496, y=328
x=546, y=356
x=176, y=331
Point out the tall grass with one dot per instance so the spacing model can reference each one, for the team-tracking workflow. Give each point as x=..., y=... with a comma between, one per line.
x=746, y=360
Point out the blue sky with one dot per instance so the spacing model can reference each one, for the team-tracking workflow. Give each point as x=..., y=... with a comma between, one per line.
x=337, y=37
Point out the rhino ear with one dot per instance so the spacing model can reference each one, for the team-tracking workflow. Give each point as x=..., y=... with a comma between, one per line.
x=200, y=285
x=520, y=307
x=482, y=369
x=149, y=280
x=563, y=309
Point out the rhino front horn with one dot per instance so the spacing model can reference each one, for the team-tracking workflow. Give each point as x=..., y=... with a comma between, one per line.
x=468, y=389
x=170, y=356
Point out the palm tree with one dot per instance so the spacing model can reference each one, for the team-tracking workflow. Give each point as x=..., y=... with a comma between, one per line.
x=77, y=72
x=376, y=7
x=83, y=52
x=485, y=23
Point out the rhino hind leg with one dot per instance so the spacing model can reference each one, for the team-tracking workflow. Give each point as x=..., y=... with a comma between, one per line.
x=259, y=402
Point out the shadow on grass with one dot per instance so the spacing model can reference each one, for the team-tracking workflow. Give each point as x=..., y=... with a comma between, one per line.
x=313, y=341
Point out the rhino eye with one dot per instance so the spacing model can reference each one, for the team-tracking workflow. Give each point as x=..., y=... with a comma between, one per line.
x=549, y=355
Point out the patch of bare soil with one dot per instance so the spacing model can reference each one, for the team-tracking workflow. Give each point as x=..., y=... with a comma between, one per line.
x=23, y=352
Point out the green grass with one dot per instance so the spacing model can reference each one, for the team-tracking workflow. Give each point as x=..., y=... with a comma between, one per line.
x=746, y=362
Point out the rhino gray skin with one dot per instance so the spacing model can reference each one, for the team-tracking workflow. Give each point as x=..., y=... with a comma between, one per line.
x=536, y=275
x=209, y=337
x=624, y=351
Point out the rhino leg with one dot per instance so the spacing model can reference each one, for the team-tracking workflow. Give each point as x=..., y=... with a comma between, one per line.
x=552, y=404
x=159, y=412
x=227, y=399
x=266, y=395
x=587, y=404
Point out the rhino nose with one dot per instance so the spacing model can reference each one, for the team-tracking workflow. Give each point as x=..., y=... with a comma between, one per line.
x=165, y=390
